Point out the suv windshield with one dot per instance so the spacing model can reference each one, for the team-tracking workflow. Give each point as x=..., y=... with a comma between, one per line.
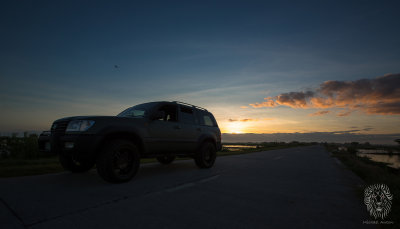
x=138, y=111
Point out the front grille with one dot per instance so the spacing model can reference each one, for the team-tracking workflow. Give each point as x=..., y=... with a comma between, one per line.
x=59, y=127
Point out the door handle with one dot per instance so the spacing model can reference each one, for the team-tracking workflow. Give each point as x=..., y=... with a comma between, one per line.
x=177, y=127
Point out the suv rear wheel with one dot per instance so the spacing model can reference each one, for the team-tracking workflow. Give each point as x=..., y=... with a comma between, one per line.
x=73, y=165
x=166, y=159
x=119, y=161
x=205, y=157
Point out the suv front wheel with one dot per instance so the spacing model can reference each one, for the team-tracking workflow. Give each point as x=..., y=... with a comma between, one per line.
x=118, y=162
x=206, y=155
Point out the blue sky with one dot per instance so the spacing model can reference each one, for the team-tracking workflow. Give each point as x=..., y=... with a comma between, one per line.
x=58, y=58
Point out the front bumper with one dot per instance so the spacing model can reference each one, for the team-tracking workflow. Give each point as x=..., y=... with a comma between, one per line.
x=78, y=145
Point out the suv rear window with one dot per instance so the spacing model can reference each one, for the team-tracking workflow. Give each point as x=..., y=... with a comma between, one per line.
x=207, y=120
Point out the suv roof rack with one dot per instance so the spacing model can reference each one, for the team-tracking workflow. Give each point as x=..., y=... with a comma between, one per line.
x=191, y=105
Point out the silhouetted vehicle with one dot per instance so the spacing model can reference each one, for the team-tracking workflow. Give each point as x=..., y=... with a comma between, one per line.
x=162, y=130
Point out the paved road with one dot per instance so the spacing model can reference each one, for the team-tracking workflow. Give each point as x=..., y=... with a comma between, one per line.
x=291, y=188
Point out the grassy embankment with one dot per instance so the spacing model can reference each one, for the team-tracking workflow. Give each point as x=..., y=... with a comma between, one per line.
x=13, y=167
x=26, y=167
x=373, y=173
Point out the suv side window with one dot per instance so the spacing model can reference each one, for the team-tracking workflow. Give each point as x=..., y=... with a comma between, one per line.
x=206, y=119
x=170, y=113
x=187, y=115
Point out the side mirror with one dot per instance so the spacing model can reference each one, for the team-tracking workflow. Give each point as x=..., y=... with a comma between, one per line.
x=158, y=115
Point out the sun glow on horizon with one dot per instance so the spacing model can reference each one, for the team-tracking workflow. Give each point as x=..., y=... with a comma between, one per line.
x=256, y=125
x=234, y=128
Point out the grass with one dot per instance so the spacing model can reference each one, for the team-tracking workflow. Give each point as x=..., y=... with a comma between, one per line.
x=25, y=167
x=28, y=167
x=375, y=173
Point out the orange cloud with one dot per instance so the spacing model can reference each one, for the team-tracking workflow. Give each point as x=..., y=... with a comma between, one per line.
x=268, y=103
x=319, y=113
x=372, y=96
x=344, y=113
x=268, y=119
x=250, y=120
x=242, y=120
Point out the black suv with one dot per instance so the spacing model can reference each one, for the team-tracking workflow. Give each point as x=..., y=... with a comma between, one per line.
x=162, y=130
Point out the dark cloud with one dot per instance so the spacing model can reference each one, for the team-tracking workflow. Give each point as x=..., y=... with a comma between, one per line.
x=294, y=99
x=291, y=99
x=372, y=96
x=368, y=129
x=346, y=131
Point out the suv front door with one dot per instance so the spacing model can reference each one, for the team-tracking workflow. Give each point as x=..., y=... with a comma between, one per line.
x=165, y=132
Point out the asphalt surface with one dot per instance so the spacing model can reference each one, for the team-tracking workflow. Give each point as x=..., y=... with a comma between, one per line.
x=290, y=188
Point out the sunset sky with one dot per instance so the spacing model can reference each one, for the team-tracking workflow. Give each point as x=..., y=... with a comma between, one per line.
x=259, y=66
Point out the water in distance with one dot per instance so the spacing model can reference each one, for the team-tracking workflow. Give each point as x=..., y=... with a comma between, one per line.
x=392, y=160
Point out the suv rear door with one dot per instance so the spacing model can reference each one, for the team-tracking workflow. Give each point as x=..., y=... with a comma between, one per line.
x=208, y=126
x=190, y=131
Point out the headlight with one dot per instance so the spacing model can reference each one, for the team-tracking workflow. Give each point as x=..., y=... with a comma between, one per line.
x=79, y=125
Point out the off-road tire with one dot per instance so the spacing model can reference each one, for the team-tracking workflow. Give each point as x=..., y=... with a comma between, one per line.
x=206, y=155
x=166, y=159
x=118, y=162
x=75, y=166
